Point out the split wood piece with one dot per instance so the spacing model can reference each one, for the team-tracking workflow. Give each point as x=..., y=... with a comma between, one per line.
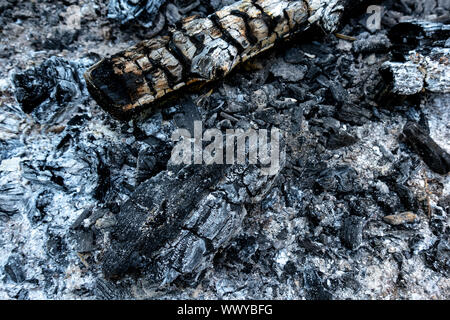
x=201, y=50
x=401, y=218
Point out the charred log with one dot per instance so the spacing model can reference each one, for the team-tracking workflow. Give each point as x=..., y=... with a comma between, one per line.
x=407, y=36
x=201, y=50
x=175, y=223
x=421, y=62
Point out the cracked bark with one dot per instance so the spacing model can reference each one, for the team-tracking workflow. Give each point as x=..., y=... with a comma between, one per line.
x=202, y=50
x=421, y=62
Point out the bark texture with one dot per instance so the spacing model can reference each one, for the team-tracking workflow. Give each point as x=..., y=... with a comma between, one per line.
x=201, y=50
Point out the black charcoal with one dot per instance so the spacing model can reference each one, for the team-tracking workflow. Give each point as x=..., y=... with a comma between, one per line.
x=431, y=153
x=142, y=12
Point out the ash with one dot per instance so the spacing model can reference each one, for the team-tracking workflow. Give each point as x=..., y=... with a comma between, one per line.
x=322, y=229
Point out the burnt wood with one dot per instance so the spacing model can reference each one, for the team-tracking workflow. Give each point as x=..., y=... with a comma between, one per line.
x=201, y=50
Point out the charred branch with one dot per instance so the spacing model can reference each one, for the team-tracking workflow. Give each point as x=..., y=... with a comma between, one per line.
x=158, y=68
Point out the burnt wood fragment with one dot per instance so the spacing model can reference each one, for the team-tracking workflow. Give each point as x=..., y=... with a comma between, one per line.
x=431, y=153
x=407, y=36
x=419, y=73
x=201, y=50
x=421, y=62
x=175, y=222
x=352, y=232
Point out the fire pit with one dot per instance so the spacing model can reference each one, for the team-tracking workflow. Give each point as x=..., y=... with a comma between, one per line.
x=225, y=149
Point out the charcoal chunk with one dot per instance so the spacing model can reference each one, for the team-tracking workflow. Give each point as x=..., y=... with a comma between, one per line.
x=79, y=221
x=340, y=179
x=337, y=93
x=351, y=232
x=13, y=270
x=314, y=285
x=145, y=166
x=353, y=114
x=297, y=92
x=56, y=248
x=442, y=258
x=85, y=240
x=174, y=223
x=294, y=56
x=422, y=144
x=288, y=72
x=367, y=43
x=43, y=200
x=12, y=196
x=47, y=89
x=22, y=295
x=438, y=257
x=142, y=12
x=407, y=197
x=340, y=140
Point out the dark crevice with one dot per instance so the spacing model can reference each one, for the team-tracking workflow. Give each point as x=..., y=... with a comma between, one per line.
x=225, y=34
x=171, y=79
x=248, y=30
x=148, y=78
x=268, y=20
x=179, y=56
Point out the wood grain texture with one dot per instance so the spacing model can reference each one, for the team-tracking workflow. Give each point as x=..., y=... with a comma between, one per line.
x=201, y=50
